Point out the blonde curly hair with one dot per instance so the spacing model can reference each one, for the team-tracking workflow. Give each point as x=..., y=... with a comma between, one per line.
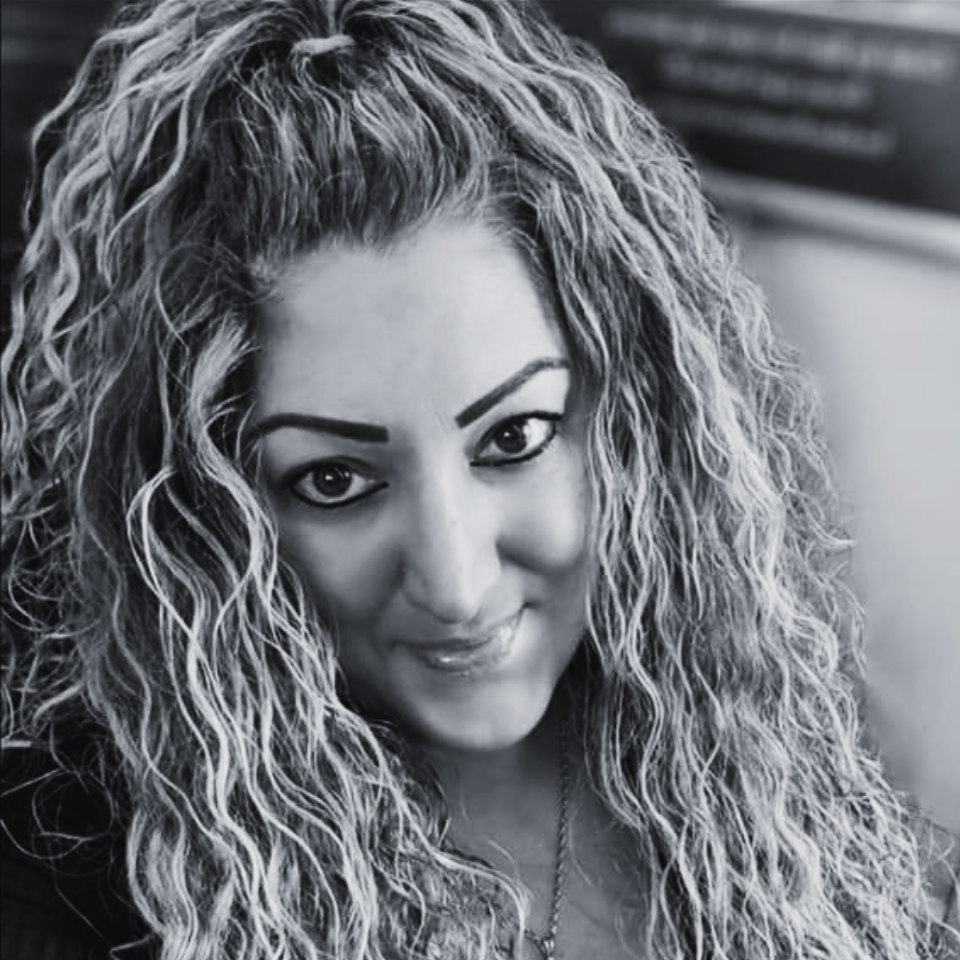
x=203, y=144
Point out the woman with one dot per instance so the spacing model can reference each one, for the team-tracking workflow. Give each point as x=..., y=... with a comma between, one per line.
x=420, y=546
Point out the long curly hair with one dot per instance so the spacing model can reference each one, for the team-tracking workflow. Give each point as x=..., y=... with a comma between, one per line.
x=203, y=144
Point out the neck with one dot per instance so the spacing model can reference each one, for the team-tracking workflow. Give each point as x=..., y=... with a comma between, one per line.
x=498, y=801
x=473, y=778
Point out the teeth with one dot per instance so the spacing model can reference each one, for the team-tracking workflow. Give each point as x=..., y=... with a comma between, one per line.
x=485, y=653
x=449, y=659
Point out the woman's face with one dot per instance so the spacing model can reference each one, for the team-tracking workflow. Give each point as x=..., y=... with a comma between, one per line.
x=423, y=451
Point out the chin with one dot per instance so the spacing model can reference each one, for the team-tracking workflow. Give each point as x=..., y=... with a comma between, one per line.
x=488, y=722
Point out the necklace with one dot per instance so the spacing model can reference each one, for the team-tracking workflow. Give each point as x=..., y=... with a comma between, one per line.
x=547, y=944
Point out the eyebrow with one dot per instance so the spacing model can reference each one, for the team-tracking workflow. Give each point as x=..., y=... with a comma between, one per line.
x=374, y=433
x=349, y=429
x=489, y=400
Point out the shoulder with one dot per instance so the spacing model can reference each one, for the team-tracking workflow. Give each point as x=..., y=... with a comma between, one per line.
x=61, y=883
x=940, y=854
x=36, y=921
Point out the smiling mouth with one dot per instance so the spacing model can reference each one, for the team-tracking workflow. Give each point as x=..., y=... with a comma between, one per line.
x=472, y=653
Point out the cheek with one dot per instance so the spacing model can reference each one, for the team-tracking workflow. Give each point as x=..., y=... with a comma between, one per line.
x=348, y=576
x=550, y=528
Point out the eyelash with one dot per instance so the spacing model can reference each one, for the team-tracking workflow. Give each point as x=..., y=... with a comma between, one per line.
x=350, y=471
x=548, y=420
x=345, y=467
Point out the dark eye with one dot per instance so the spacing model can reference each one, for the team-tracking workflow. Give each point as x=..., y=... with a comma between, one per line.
x=333, y=484
x=517, y=439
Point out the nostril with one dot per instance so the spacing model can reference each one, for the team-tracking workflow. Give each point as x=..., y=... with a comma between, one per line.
x=449, y=573
x=448, y=592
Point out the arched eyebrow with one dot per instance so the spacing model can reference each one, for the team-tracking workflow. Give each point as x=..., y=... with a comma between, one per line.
x=489, y=400
x=349, y=429
x=375, y=433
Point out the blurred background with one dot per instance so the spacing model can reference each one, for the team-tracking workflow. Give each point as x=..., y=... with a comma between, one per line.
x=828, y=132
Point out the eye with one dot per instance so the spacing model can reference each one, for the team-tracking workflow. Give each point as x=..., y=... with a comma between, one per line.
x=517, y=439
x=333, y=483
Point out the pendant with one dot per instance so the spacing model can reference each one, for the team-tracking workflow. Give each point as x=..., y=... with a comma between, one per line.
x=546, y=945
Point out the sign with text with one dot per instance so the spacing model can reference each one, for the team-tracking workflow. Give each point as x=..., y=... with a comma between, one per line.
x=862, y=106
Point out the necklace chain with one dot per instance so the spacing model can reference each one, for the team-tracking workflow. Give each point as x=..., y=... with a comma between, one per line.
x=547, y=944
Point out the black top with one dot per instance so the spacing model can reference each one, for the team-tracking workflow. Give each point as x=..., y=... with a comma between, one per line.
x=67, y=899
x=64, y=897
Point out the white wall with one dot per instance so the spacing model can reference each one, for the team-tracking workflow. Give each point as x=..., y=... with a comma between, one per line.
x=880, y=326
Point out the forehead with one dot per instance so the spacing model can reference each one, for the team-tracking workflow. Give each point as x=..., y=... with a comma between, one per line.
x=442, y=317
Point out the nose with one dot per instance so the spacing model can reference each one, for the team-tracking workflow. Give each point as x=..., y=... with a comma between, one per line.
x=451, y=552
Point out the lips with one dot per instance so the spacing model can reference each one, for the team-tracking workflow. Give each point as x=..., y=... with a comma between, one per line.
x=471, y=653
